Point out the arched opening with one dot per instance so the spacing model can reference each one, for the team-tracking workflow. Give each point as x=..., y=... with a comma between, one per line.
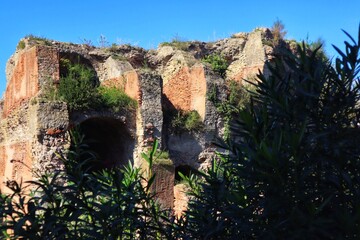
x=109, y=140
x=185, y=170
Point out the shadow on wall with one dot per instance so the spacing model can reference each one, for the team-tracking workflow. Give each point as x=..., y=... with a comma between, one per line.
x=168, y=111
x=109, y=139
x=184, y=147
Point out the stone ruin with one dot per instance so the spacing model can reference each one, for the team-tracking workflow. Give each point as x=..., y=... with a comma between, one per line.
x=33, y=129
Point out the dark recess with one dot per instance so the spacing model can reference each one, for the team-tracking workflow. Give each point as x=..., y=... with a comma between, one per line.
x=184, y=169
x=109, y=139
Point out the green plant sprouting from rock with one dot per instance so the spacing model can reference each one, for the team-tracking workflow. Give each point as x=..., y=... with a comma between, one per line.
x=78, y=87
x=116, y=99
x=187, y=121
x=21, y=45
x=38, y=39
x=177, y=43
x=238, y=98
x=218, y=64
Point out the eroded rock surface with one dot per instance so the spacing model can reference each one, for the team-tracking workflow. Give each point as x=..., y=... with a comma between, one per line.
x=34, y=129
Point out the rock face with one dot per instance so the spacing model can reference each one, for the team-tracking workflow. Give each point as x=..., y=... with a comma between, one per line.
x=33, y=129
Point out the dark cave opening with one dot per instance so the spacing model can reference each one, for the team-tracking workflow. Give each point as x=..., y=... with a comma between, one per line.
x=185, y=170
x=109, y=140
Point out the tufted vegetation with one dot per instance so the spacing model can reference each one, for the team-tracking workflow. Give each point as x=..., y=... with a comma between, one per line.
x=217, y=63
x=79, y=87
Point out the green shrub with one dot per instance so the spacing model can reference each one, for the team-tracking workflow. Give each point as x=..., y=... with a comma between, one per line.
x=162, y=158
x=292, y=165
x=21, y=45
x=78, y=87
x=119, y=57
x=193, y=121
x=218, y=64
x=189, y=121
x=318, y=46
x=116, y=99
x=113, y=47
x=239, y=94
x=238, y=98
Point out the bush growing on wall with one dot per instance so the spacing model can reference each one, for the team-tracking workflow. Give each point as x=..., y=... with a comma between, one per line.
x=21, y=45
x=278, y=31
x=187, y=121
x=116, y=99
x=79, y=87
x=217, y=63
x=238, y=98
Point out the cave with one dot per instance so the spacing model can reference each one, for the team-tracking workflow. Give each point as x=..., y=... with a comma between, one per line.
x=184, y=170
x=109, y=140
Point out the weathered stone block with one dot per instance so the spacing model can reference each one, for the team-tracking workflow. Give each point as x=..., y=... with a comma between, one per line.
x=17, y=161
x=163, y=185
x=151, y=103
x=24, y=80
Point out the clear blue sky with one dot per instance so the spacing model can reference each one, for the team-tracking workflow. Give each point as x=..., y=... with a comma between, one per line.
x=147, y=23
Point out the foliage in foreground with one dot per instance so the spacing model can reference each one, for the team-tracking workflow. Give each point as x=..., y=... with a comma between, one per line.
x=291, y=171
x=292, y=165
x=81, y=204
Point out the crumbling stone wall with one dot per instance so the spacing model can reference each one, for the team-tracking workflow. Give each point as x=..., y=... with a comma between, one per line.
x=151, y=105
x=186, y=89
x=15, y=149
x=163, y=185
x=50, y=136
x=181, y=199
x=33, y=129
x=30, y=68
x=26, y=71
x=252, y=58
